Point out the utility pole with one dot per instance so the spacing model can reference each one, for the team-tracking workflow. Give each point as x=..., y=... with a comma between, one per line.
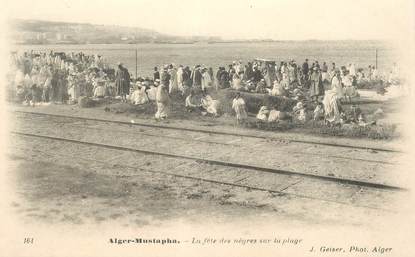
x=376, y=59
x=136, y=55
x=136, y=65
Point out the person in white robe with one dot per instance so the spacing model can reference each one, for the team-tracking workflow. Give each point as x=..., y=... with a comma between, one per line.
x=152, y=91
x=352, y=70
x=278, y=89
x=263, y=113
x=349, y=89
x=206, y=80
x=331, y=107
x=28, y=82
x=299, y=112
x=19, y=78
x=73, y=88
x=336, y=84
x=99, y=90
x=374, y=74
x=180, y=79
x=236, y=82
x=285, y=82
x=274, y=115
x=162, y=101
x=209, y=104
x=173, y=80
x=238, y=105
x=139, y=95
x=47, y=86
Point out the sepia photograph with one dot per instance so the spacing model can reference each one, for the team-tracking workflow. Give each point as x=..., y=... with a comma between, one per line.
x=207, y=128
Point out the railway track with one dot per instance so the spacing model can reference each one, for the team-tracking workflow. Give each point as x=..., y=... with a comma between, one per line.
x=221, y=163
x=281, y=156
x=70, y=121
x=326, y=194
x=158, y=126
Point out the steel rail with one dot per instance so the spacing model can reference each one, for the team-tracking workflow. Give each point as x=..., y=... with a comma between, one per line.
x=214, y=132
x=223, y=163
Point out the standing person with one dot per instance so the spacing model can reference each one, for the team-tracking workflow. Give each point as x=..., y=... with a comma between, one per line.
x=212, y=78
x=316, y=86
x=62, y=87
x=122, y=82
x=187, y=82
x=256, y=75
x=336, y=84
x=73, y=87
x=46, y=90
x=349, y=89
x=324, y=72
x=165, y=78
x=206, y=80
x=369, y=72
x=352, y=70
x=332, y=71
x=156, y=74
x=217, y=78
x=173, y=79
x=54, y=83
x=179, y=78
x=248, y=71
x=162, y=101
x=224, y=78
x=236, y=82
x=238, y=104
x=305, y=69
x=197, y=77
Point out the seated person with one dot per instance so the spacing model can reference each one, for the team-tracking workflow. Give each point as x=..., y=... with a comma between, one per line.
x=299, y=112
x=262, y=114
x=190, y=102
x=20, y=93
x=210, y=105
x=261, y=87
x=319, y=112
x=152, y=90
x=362, y=121
x=278, y=89
x=99, y=90
x=139, y=95
x=298, y=95
x=274, y=115
x=249, y=86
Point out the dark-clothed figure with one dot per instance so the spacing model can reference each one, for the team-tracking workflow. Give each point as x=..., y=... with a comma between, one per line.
x=165, y=78
x=122, y=82
x=156, y=74
x=197, y=77
x=316, y=84
x=305, y=70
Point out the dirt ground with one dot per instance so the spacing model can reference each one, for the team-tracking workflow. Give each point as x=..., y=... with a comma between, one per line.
x=55, y=185
x=76, y=186
x=51, y=193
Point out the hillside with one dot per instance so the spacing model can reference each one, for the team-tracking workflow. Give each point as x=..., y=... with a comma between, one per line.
x=49, y=32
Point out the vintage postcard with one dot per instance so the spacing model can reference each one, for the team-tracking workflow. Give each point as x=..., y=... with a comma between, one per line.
x=207, y=128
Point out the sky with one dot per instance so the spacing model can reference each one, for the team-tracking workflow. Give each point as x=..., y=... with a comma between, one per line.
x=231, y=19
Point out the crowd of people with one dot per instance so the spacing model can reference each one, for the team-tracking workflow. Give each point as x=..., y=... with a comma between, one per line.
x=45, y=77
x=59, y=77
